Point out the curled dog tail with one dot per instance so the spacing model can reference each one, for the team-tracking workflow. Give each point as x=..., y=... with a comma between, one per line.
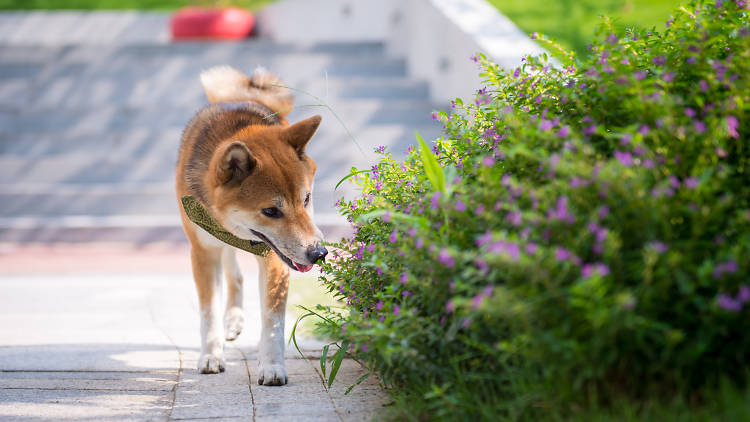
x=224, y=83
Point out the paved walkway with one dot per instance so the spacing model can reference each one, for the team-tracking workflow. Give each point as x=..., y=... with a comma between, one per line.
x=98, y=346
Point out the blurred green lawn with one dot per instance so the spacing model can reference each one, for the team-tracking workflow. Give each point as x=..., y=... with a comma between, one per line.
x=572, y=22
x=306, y=290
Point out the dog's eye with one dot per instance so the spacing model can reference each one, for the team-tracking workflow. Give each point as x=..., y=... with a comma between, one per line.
x=307, y=200
x=272, y=212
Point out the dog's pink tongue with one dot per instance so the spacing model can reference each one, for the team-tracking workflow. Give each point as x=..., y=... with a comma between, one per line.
x=303, y=268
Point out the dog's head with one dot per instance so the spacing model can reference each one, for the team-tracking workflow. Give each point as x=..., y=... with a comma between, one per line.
x=261, y=182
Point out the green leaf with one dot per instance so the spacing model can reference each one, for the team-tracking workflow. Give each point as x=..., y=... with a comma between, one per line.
x=293, y=337
x=432, y=168
x=353, y=173
x=323, y=357
x=359, y=381
x=397, y=217
x=337, y=359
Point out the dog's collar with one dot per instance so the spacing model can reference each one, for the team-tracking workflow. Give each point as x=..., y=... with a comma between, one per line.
x=200, y=216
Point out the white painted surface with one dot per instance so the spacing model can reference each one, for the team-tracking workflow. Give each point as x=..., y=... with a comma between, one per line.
x=436, y=37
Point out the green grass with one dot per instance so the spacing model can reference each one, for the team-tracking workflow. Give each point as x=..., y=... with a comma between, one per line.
x=123, y=4
x=306, y=290
x=572, y=22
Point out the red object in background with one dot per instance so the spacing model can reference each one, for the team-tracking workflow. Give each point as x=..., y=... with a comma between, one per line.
x=196, y=22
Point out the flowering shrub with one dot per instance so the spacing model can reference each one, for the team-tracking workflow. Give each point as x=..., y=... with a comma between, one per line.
x=580, y=233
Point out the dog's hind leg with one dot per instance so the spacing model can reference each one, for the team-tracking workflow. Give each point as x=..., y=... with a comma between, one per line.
x=274, y=284
x=234, y=317
x=207, y=273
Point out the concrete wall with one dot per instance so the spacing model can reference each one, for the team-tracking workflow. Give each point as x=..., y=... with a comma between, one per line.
x=436, y=37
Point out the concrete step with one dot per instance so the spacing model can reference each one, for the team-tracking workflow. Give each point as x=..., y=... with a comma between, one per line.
x=355, y=113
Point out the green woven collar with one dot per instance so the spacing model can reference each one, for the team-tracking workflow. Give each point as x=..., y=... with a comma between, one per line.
x=200, y=216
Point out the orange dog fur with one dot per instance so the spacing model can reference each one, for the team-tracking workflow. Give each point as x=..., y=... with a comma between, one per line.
x=247, y=166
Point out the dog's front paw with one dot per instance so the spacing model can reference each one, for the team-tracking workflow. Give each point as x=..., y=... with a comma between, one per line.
x=210, y=364
x=234, y=320
x=271, y=374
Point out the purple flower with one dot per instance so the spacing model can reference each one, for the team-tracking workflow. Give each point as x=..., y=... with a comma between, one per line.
x=590, y=269
x=624, y=157
x=509, y=248
x=562, y=254
x=639, y=75
x=479, y=210
x=660, y=60
x=466, y=322
x=603, y=212
x=474, y=58
x=450, y=306
x=659, y=247
x=445, y=258
x=704, y=85
x=514, y=218
x=460, y=205
x=404, y=278
x=699, y=126
x=419, y=243
x=545, y=124
x=534, y=35
x=668, y=76
x=406, y=293
x=626, y=139
x=727, y=303
x=481, y=265
x=691, y=182
x=563, y=132
x=517, y=72
x=744, y=294
x=478, y=299
x=488, y=161
x=561, y=212
x=643, y=130
x=728, y=267
x=484, y=239
x=612, y=39
x=732, y=124
x=396, y=309
x=435, y=200
x=531, y=248
x=589, y=130
x=379, y=305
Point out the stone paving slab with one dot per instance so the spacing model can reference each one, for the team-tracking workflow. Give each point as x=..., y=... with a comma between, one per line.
x=114, y=381
x=82, y=405
x=124, y=346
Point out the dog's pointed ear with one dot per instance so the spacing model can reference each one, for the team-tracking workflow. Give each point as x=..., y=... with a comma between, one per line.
x=235, y=163
x=299, y=134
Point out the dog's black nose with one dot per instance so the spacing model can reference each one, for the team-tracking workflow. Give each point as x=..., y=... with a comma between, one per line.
x=316, y=253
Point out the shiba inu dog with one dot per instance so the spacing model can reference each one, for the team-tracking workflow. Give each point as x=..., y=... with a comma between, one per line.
x=247, y=166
